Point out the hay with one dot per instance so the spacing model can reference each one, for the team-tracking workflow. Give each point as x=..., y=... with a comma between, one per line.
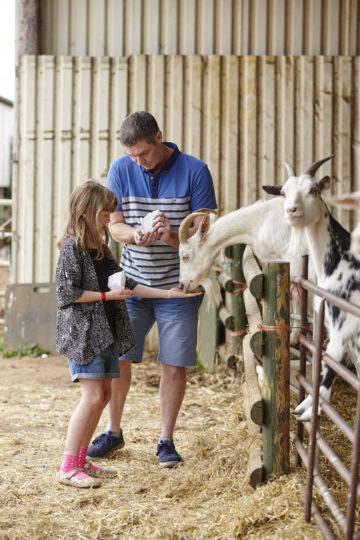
x=208, y=496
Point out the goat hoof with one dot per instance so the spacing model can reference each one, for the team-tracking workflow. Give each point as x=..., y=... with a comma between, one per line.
x=306, y=417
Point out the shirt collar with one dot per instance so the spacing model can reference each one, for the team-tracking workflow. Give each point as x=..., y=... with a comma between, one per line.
x=170, y=162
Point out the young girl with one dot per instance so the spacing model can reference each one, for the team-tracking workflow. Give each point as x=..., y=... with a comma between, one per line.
x=93, y=327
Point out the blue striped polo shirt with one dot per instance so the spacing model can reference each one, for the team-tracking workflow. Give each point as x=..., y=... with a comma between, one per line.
x=183, y=185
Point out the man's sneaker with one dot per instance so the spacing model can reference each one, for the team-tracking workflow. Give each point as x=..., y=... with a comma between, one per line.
x=168, y=456
x=104, y=445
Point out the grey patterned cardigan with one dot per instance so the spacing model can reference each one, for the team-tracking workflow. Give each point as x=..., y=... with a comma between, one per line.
x=82, y=329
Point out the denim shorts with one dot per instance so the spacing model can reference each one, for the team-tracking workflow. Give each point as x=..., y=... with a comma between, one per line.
x=103, y=366
x=177, y=321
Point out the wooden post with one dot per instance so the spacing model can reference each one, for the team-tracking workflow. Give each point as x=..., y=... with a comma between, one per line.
x=28, y=23
x=276, y=368
x=237, y=298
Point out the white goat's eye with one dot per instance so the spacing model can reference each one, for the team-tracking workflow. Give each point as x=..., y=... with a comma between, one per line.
x=314, y=191
x=185, y=258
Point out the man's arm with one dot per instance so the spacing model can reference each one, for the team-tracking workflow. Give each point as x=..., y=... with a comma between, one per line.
x=121, y=232
x=170, y=236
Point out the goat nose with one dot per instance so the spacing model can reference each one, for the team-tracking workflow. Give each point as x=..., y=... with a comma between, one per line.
x=292, y=210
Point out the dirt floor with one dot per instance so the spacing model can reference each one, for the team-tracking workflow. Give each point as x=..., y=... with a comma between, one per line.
x=206, y=497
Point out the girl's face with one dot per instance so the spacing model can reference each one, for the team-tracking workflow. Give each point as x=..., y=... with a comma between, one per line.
x=104, y=218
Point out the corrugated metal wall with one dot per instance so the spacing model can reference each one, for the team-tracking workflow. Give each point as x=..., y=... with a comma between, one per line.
x=242, y=115
x=240, y=27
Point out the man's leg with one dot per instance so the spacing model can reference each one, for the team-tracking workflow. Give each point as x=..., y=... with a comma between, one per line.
x=119, y=391
x=141, y=318
x=172, y=391
x=177, y=325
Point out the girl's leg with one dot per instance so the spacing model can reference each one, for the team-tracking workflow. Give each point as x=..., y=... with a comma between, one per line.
x=94, y=420
x=95, y=396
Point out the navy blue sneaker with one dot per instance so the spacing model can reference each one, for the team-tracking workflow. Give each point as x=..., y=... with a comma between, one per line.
x=168, y=456
x=104, y=445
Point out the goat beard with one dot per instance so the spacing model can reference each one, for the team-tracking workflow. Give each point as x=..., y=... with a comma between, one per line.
x=212, y=291
x=297, y=242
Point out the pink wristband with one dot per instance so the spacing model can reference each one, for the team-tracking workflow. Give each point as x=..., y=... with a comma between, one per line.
x=103, y=296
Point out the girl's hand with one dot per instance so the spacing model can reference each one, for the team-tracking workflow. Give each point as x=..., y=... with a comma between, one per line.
x=179, y=293
x=118, y=294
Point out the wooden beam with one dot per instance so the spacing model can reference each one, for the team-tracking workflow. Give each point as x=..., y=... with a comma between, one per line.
x=253, y=273
x=255, y=461
x=276, y=367
x=252, y=384
x=28, y=22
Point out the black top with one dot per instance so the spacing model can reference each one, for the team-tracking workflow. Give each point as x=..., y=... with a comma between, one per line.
x=103, y=272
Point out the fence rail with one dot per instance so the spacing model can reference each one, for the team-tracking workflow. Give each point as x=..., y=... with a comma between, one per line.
x=316, y=441
x=245, y=322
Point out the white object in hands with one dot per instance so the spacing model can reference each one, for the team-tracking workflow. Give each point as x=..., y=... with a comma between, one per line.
x=117, y=281
x=146, y=221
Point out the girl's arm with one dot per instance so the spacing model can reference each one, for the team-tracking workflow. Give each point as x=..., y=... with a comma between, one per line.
x=93, y=296
x=152, y=292
x=139, y=290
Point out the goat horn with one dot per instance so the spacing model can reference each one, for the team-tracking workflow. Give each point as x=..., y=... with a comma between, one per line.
x=314, y=167
x=290, y=169
x=185, y=224
x=203, y=211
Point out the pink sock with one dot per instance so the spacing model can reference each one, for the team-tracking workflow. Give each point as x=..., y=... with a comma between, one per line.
x=82, y=459
x=70, y=463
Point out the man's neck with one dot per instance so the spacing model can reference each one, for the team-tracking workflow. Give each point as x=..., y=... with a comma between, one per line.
x=166, y=153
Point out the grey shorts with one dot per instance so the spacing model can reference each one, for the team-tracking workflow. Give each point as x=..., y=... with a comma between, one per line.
x=177, y=321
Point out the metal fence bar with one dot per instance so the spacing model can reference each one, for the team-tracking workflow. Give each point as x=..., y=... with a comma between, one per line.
x=341, y=370
x=308, y=458
x=332, y=298
x=315, y=404
x=303, y=323
x=333, y=458
x=325, y=529
x=330, y=411
x=354, y=475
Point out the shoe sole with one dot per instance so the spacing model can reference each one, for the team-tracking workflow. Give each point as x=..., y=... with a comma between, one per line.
x=169, y=464
x=78, y=483
x=107, y=455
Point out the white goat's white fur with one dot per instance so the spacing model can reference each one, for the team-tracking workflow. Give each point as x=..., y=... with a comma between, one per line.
x=261, y=225
x=337, y=270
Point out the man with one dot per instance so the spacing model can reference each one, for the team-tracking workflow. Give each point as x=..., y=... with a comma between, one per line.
x=155, y=175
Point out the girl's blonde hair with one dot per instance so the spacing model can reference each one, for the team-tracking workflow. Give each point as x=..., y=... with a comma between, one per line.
x=92, y=198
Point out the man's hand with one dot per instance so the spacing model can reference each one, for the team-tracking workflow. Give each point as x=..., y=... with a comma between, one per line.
x=145, y=239
x=161, y=225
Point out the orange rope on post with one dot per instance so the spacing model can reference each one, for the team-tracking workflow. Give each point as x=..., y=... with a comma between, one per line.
x=285, y=327
x=239, y=332
x=294, y=286
x=240, y=289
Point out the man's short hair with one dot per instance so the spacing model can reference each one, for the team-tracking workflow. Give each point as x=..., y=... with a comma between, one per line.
x=138, y=125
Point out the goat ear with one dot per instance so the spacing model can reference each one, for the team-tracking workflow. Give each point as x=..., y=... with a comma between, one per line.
x=203, y=227
x=324, y=183
x=272, y=190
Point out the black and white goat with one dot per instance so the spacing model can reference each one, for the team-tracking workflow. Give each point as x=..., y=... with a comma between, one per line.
x=337, y=268
x=261, y=225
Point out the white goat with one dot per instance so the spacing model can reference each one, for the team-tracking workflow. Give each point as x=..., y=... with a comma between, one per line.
x=261, y=225
x=336, y=267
